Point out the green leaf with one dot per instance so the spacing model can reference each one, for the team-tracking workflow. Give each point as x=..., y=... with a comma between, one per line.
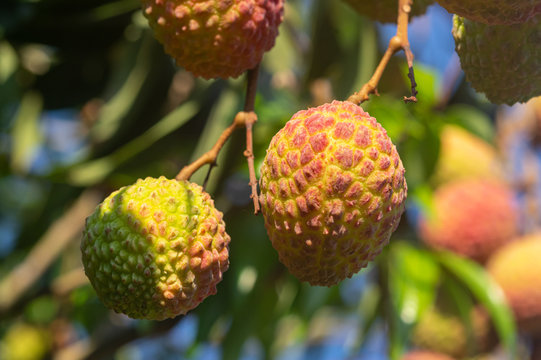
x=413, y=277
x=472, y=119
x=127, y=89
x=26, y=133
x=94, y=171
x=489, y=294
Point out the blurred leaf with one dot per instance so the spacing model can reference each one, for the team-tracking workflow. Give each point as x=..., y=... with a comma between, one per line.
x=8, y=61
x=42, y=310
x=489, y=294
x=413, y=278
x=128, y=89
x=471, y=119
x=26, y=133
x=221, y=117
x=420, y=155
x=96, y=170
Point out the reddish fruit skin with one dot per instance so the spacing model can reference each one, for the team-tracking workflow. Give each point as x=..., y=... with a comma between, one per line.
x=472, y=218
x=516, y=267
x=215, y=38
x=332, y=192
x=425, y=355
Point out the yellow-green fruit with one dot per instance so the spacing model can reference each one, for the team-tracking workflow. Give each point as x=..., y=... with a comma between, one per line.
x=24, y=342
x=464, y=156
x=155, y=249
x=386, y=10
x=448, y=334
x=332, y=192
x=493, y=12
x=501, y=61
x=425, y=355
x=472, y=218
x=516, y=267
x=215, y=38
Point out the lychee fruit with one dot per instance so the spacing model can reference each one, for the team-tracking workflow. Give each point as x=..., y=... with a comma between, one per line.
x=155, y=249
x=425, y=355
x=493, y=12
x=215, y=38
x=332, y=192
x=501, y=61
x=464, y=156
x=447, y=333
x=472, y=218
x=517, y=269
x=386, y=11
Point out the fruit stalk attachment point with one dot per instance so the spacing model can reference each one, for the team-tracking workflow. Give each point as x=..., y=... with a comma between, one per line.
x=245, y=118
x=398, y=42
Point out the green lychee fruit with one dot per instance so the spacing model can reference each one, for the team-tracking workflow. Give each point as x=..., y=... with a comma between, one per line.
x=465, y=156
x=386, y=11
x=472, y=218
x=493, y=12
x=446, y=333
x=517, y=269
x=425, y=355
x=501, y=61
x=332, y=192
x=155, y=249
x=215, y=38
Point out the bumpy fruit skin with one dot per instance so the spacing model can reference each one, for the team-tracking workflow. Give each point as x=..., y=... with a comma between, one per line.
x=501, y=61
x=472, y=218
x=493, y=12
x=215, y=38
x=155, y=249
x=425, y=355
x=446, y=333
x=516, y=267
x=332, y=192
x=465, y=156
x=386, y=11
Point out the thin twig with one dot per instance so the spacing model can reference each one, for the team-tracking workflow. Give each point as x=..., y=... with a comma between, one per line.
x=398, y=42
x=251, y=90
x=245, y=118
x=210, y=156
x=47, y=249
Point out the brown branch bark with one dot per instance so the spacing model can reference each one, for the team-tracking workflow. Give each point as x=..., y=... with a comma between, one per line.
x=398, y=42
x=246, y=118
x=251, y=90
x=47, y=249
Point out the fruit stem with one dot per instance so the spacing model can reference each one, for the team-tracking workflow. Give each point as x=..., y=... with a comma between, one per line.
x=398, y=42
x=251, y=91
x=245, y=118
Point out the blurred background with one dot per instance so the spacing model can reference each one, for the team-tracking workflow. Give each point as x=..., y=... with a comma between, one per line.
x=89, y=102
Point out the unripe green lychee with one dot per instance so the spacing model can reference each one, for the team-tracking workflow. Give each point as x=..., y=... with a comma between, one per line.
x=501, y=61
x=472, y=218
x=447, y=333
x=386, y=10
x=215, y=38
x=425, y=355
x=493, y=12
x=155, y=249
x=517, y=269
x=332, y=192
x=465, y=156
